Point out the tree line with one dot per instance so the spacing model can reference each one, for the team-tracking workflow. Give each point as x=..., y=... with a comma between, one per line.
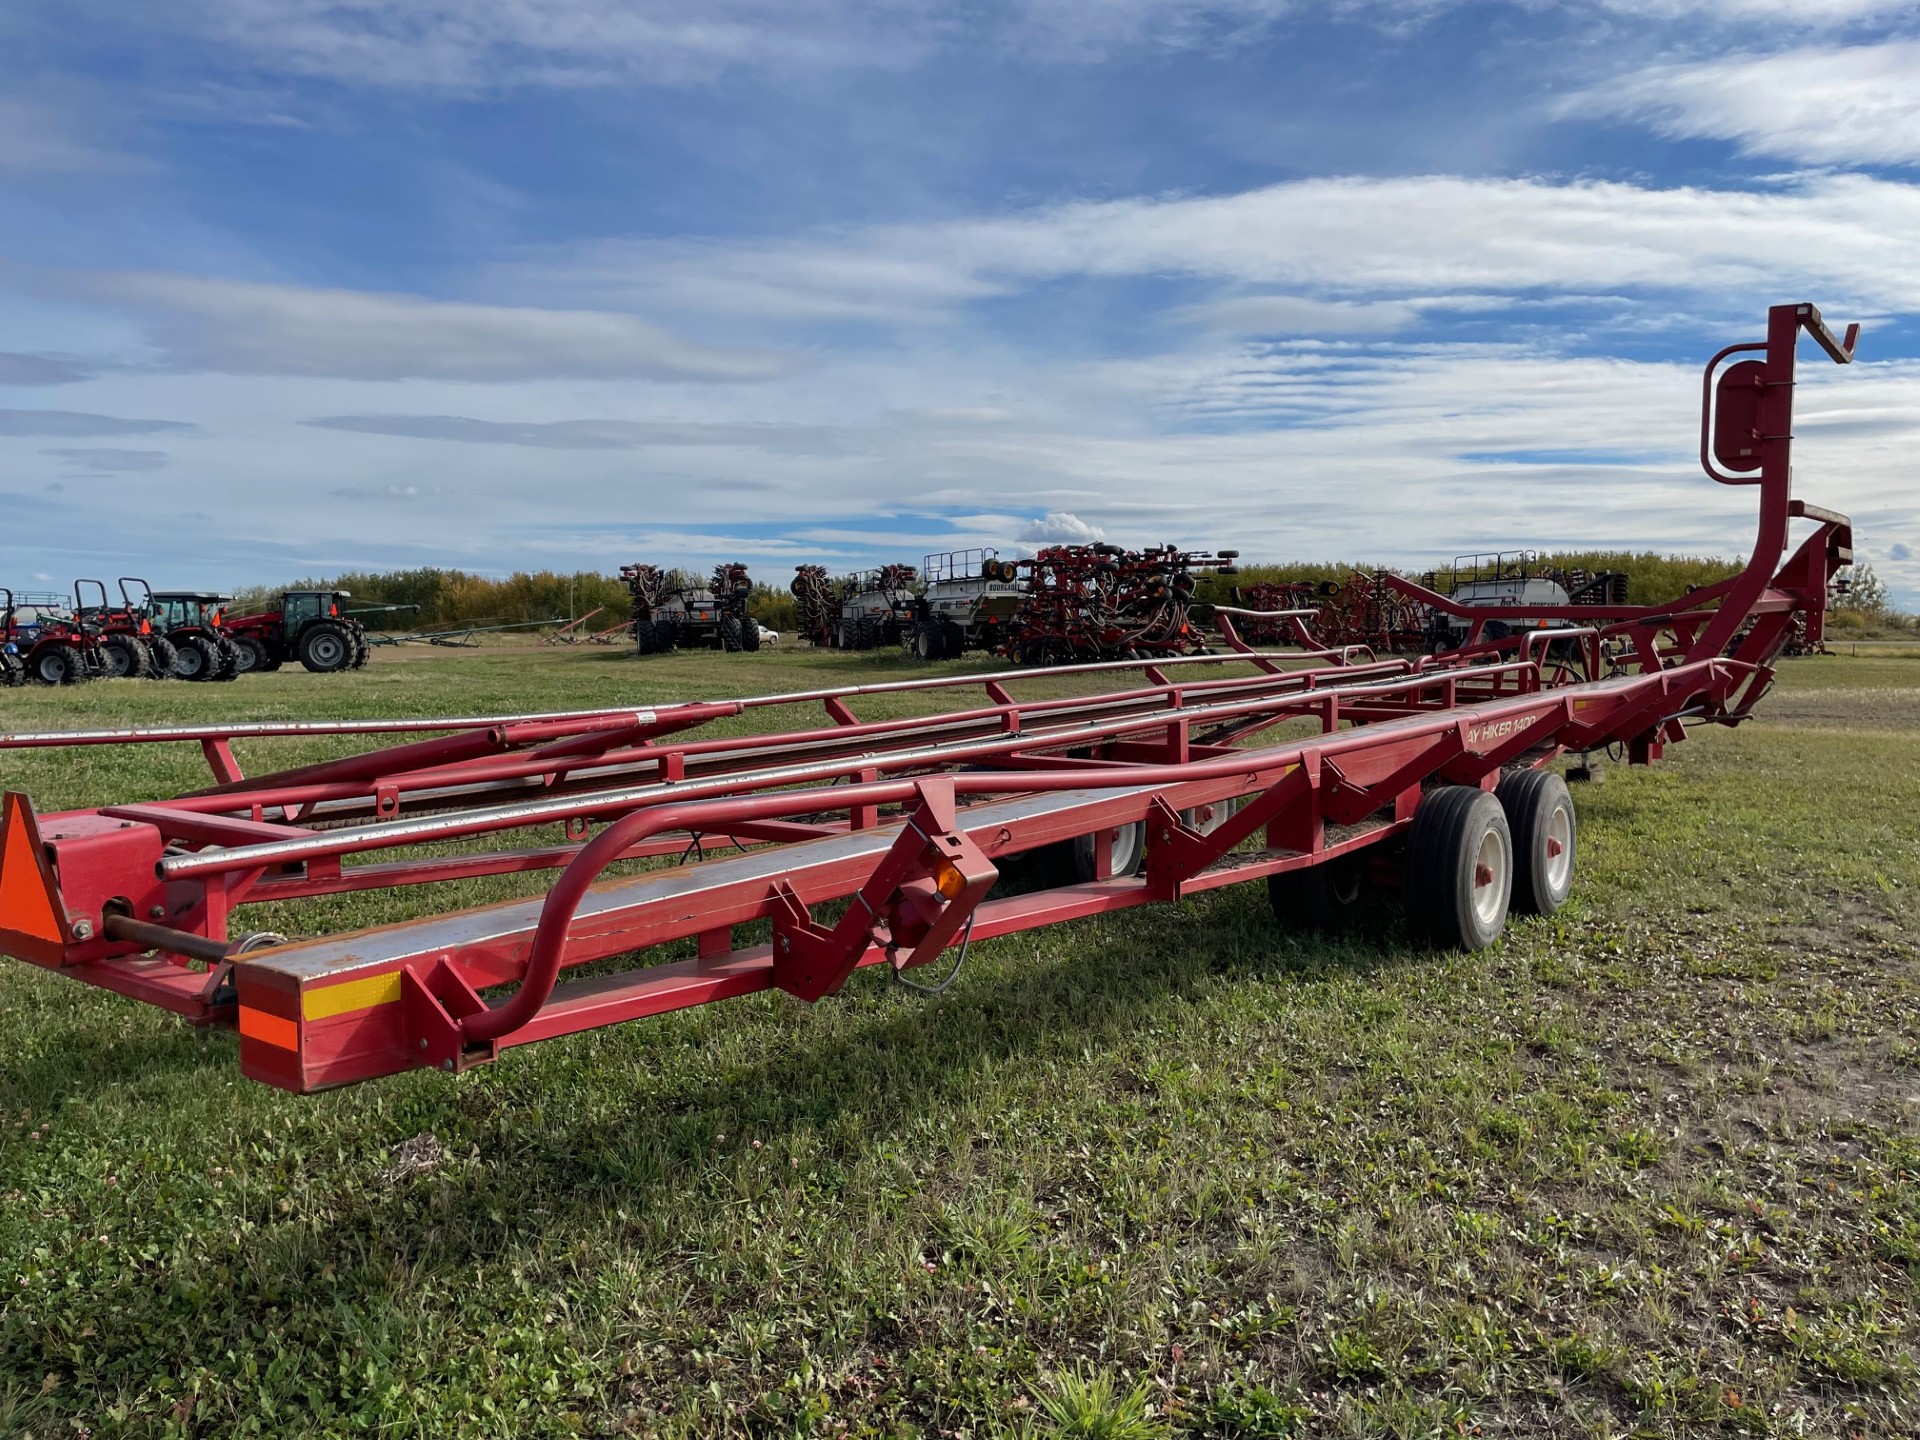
x=448, y=598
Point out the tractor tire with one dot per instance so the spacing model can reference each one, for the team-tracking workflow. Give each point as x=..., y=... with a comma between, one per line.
x=646, y=639
x=229, y=658
x=928, y=641
x=666, y=635
x=362, y=647
x=165, y=654
x=729, y=634
x=1457, y=875
x=197, y=658
x=750, y=635
x=58, y=664
x=326, y=648
x=1545, y=838
x=12, y=672
x=253, y=654
x=126, y=658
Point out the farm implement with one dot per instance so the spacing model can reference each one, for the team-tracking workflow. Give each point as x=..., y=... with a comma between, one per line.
x=823, y=843
x=1100, y=602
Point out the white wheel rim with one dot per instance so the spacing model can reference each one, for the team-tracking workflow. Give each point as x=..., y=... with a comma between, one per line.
x=189, y=660
x=326, y=649
x=1490, y=892
x=1559, y=848
x=118, y=661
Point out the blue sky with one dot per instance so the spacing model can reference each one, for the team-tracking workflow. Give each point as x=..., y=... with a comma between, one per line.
x=295, y=286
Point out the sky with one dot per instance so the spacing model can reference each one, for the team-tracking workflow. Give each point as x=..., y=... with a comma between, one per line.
x=292, y=287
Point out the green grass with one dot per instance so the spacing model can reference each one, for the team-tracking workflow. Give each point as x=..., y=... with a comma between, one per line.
x=1648, y=1167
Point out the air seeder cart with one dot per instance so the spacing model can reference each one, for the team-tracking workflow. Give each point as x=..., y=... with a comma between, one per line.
x=878, y=843
x=669, y=615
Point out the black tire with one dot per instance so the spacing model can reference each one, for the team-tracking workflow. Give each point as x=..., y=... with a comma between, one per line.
x=197, y=658
x=729, y=634
x=928, y=641
x=666, y=635
x=12, y=672
x=229, y=657
x=1456, y=831
x=57, y=664
x=326, y=648
x=165, y=655
x=125, y=657
x=253, y=654
x=1546, y=838
x=1128, y=855
x=750, y=635
x=271, y=659
x=1329, y=897
x=645, y=638
x=362, y=647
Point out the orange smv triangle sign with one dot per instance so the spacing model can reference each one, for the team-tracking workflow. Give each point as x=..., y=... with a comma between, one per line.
x=27, y=901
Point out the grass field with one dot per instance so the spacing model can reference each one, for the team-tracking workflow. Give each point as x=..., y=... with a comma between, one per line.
x=1649, y=1167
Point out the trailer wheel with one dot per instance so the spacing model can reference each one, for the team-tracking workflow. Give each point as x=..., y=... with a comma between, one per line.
x=729, y=634
x=197, y=657
x=1128, y=855
x=928, y=642
x=1545, y=836
x=1458, y=868
x=325, y=648
x=165, y=656
x=1328, y=897
x=645, y=638
x=125, y=657
x=750, y=635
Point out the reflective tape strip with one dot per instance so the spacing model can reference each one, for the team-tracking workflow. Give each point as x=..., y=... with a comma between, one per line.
x=354, y=995
x=269, y=1029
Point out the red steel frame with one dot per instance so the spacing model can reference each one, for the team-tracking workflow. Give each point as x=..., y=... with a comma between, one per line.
x=907, y=819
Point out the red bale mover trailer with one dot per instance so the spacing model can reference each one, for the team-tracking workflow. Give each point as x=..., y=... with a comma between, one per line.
x=1429, y=772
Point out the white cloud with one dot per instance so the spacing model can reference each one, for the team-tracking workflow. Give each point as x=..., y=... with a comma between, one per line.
x=585, y=434
x=1820, y=105
x=1854, y=238
x=236, y=327
x=466, y=46
x=1060, y=527
x=1298, y=315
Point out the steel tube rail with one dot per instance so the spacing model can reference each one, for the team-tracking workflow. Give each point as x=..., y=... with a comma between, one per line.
x=546, y=958
x=395, y=833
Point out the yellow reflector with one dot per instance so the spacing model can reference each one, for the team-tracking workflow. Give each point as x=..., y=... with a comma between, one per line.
x=947, y=878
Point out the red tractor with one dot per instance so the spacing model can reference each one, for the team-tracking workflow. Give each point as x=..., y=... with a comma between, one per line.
x=309, y=627
x=131, y=647
x=195, y=622
x=42, y=641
